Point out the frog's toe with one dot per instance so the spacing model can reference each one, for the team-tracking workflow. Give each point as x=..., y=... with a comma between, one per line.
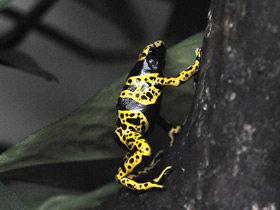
x=174, y=130
x=163, y=173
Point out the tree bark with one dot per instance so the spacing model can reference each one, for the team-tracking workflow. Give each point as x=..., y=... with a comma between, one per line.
x=228, y=155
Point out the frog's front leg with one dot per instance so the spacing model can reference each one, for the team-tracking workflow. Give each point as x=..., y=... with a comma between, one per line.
x=184, y=75
x=132, y=160
x=169, y=128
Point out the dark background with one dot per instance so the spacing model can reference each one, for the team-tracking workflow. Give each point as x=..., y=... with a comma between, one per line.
x=29, y=103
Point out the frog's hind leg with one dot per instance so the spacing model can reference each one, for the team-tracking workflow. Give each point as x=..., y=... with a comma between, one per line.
x=169, y=128
x=130, y=183
x=153, y=163
x=143, y=149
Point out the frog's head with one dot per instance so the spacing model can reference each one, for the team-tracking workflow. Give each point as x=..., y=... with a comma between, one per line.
x=153, y=55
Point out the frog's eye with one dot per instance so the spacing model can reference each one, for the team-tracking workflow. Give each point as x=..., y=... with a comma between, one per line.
x=152, y=62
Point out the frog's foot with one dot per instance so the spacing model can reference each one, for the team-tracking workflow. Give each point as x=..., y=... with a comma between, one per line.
x=156, y=180
x=198, y=54
x=130, y=183
x=174, y=130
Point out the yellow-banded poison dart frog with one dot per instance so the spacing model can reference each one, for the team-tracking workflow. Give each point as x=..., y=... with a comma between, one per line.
x=139, y=110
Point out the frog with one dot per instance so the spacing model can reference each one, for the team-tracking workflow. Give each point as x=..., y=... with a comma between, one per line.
x=138, y=110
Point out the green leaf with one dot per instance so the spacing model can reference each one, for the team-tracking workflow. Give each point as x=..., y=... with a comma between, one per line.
x=61, y=199
x=9, y=201
x=21, y=61
x=79, y=202
x=87, y=133
x=35, y=199
x=4, y=3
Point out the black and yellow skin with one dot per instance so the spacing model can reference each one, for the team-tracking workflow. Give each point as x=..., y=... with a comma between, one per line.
x=139, y=110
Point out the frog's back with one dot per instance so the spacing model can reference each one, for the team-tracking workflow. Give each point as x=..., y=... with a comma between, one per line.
x=141, y=93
